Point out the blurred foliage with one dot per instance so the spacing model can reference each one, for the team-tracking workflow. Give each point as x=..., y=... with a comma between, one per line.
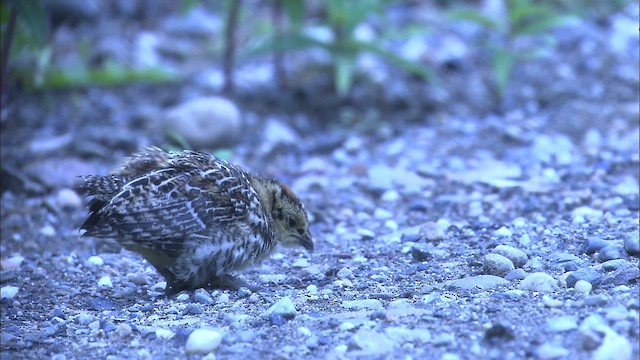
x=521, y=18
x=342, y=19
x=30, y=56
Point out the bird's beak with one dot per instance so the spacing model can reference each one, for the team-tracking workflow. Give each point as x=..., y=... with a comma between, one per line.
x=305, y=241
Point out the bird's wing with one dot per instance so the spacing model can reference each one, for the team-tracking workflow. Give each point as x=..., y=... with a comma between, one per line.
x=163, y=208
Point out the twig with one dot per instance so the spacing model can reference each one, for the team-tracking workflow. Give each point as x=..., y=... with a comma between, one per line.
x=230, y=46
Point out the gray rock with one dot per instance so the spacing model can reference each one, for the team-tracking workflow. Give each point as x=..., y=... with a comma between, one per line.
x=548, y=351
x=424, y=252
x=587, y=274
x=365, y=304
x=401, y=335
x=518, y=257
x=622, y=276
x=566, y=261
x=496, y=264
x=539, y=281
x=283, y=307
x=614, y=264
x=431, y=231
x=613, y=347
x=370, y=343
x=594, y=244
x=203, y=341
x=632, y=243
x=562, y=323
x=478, y=282
x=610, y=252
x=202, y=296
x=516, y=274
x=207, y=122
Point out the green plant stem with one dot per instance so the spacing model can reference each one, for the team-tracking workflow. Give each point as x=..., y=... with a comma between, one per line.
x=230, y=46
x=6, y=47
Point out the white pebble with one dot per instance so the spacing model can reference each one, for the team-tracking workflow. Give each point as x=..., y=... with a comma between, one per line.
x=503, y=231
x=539, y=281
x=304, y=331
x=48, y=231
x=105, y=283
x=13, y=262
x=583, y=286
x=8, y=292
x=345, y=273
x=312, y=289
x=390, y=196
x=223, y=298
x=203, y=341
x=68, y=199
x=95, y=261
x=301, y=263
x=164, y=334
x=382, y=214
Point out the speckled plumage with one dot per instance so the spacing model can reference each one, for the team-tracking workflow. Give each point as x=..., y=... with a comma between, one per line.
x=194, y=217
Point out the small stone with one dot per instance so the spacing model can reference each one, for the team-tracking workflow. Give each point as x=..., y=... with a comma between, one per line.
x=370, y=343
x=518, y=257
x=402, y=335
x=202, y=296
x=539, y=281
x=48, y=231
x=203, y=341
x=551, y=302
x=12, y=263
x=587, y=213
x=496, y=264
x=562, y=323
x=610, y=252
x=516, y=274
x=123, y=330
x=390, y=196
x=223, y=298
x=431, y=231
x=193, y=309
x=139, y=279
x=68, y=199
x=503, y=231
x=366, y=304
x=165, y=334
x=272, y=278
x=382, y=214
x=594, y=244
x=207, y=122
x=8, y=292
x=613, y=347
x=548, y=351
x=615, y=264
x=587, y=273
x=366, y=233
x=423, y=252
x=583, y=287
x=84, y=319
x=622, y=276
x=95, y=261
x=525, y=240
x=301, y=263
x=478, y=282
x=283, y=307
x=182, y=297
x=105, y=283
x=345, y=273
x=400, y=304
x=632, y=243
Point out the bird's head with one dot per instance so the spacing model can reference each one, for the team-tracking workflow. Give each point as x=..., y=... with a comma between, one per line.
x=290, y=220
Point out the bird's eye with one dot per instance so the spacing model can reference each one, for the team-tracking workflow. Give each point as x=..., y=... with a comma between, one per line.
x=292, y=222
x=300, y=231
x=279, y=214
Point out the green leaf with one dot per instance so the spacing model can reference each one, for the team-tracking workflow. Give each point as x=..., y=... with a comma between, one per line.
x=32, y=14
x=343, y=74
x=502, y=64
x=295, y=11
x=474, y=16
x=411, y=66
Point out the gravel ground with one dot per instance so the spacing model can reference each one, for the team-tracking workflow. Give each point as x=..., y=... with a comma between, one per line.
x=444, y=229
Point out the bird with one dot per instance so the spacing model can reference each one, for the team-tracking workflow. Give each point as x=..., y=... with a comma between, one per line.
x=195, y=218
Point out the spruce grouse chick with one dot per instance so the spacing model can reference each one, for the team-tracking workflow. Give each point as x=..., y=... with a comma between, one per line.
x=195, y=218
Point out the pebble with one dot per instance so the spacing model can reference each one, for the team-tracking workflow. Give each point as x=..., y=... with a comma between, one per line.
x=105, y=283
x=165, y=334
x=562, y=323
x=516, y=274
x=583, y=287
x=594, y=244
x=182, y=297
x=400, y=304
x=587, y=273
x=390, y=196
x=496, y=264
x=423, y=252
x=401, y=335
x=365, y=304
x=206, y=122
x=272, y=278
x=566, y=261
x=123, y=330
x=587, y=213
x=622, y=276
x=370, y=343
x=202, y=296
x=632, y=243
x=203, y=341
x=431, y=231
x=366, y=233
x=382, y=214
x=551, y=302
x=345, y=273
x=478, y=282
x=301, y=263
x=613, y=347
x=68, y=199
x=283, y=307
x=48, y=231
x=614, y=264
x=548, y=351
x=518, y=257
x=539, y=281
x=223, y=298
x=610, y=252
x=276, y=132
x=95, y=261
x=139, y=279
x=192, y=309
x=503, y=231
x=8, y=292
x=12, y=263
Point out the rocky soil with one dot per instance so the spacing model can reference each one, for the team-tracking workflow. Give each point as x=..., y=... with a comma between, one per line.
x=448, y=224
